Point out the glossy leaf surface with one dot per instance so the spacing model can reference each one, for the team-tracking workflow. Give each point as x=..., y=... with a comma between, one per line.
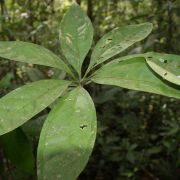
x=67, y=137
x=18, y=150
x=166, y=65
x=135, y=74
x=118, y=40
x=76, y=35
x=30, y=53
x=23, y=103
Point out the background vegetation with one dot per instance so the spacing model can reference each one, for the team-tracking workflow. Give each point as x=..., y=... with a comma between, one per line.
x=138, y=133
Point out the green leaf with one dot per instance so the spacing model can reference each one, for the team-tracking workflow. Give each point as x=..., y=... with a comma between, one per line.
x=23, y=103
x=135, y=74
x=31, y=53
x=35, y=74
x=18, y=150
x=33, y=127
x=5, y=82
x=76, y=35
x=117, y=41
x=67, y=137
x=166, y=65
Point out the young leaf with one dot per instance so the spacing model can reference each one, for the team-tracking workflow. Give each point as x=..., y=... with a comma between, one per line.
x=118, y=40
x=23, y=103
x=135, y=74
x=76, y=35
x=166, y=65
x=31, y=53
x=67, y=137
x=18, y=150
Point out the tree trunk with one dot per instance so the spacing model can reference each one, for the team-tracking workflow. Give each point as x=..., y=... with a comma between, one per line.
x=2, y=7
x=90, y=9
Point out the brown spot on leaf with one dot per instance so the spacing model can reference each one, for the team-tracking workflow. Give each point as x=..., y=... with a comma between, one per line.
x=83, y=126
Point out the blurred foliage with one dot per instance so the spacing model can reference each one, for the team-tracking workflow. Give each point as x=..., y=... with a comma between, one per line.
x=138, y=133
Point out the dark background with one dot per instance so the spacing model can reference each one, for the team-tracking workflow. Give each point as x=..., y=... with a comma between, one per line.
x=138, y=133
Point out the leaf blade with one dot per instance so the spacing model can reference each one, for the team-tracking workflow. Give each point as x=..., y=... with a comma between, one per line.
x=165, y=65
x=117, y=41
x=67, y=137
x=31, y=53
x=18, y=150
x=76, y=35
x=135, y=74
x=26, y=101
